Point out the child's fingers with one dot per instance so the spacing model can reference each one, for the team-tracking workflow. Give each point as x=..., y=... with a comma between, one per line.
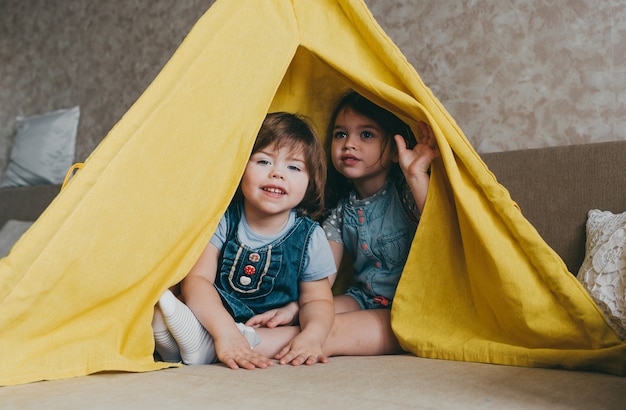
x=252, y=361
x=319, y=359
x=297, y=359
x=428, y=137
x=400, y=142
x=245, y=358
x=303, y=358
x=297, y=356
x=237, y=362
x=426, y=132
x=262, y=319
x=259, y=361
x=255, y=321
x=289, y=356
x=283, y=352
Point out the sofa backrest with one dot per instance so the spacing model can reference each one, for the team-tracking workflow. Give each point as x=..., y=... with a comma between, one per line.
x=25, y=203
x=555, y=188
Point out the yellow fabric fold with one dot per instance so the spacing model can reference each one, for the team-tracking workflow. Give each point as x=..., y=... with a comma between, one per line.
x=78, y=289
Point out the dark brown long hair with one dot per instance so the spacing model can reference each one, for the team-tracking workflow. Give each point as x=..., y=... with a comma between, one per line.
x=338, y=185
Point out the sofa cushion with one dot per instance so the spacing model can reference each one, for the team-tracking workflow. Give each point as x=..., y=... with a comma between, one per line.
x=43, y=149
x=603, y=272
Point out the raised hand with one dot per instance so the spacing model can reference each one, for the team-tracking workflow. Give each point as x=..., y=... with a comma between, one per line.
x=417, y=160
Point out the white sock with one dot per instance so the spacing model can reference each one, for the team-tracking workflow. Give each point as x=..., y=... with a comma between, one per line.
x=164, y=342
x=195, y=343
x=251, y=336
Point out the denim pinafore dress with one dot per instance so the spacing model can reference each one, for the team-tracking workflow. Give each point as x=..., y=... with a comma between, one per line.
x=253, y=281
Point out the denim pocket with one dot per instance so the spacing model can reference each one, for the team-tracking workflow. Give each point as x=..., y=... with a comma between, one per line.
x=395, y=246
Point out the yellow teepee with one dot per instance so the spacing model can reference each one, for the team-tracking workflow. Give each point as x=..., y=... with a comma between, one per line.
x=77, y=291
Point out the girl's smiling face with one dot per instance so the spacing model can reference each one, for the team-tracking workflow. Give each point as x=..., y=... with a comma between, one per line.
x=275, y=181
x=361, y=151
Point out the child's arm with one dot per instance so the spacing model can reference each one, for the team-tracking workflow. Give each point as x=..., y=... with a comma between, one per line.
x=337, y=249
x=202, y=298
x=415, y=162
x=316, y=319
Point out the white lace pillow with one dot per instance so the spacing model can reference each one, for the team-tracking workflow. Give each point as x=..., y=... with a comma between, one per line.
x=603, y=272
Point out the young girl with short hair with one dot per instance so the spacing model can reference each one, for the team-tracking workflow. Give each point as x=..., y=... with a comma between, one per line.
x=267, y=251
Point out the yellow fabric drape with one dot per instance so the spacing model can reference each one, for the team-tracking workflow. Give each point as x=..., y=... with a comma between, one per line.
x=77, y=290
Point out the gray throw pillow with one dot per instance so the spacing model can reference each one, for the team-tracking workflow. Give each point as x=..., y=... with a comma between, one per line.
x=43, y=149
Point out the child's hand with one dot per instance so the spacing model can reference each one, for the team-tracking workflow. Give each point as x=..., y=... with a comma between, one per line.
x=235, y=352
x=416, y=161
x=285, y=315
x=301, y=351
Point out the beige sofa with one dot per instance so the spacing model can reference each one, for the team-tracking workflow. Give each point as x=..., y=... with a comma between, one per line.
x=555, y=187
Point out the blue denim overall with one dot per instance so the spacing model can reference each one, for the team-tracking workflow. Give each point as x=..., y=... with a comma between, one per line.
x=253, y=281
x=378, y=231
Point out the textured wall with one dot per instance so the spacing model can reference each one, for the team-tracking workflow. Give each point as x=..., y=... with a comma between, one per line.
x=514, y=74
x=100, y=55
x=519, y=73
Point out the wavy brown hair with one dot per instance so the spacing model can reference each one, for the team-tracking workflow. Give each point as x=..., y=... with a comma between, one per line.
x=294, y=132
